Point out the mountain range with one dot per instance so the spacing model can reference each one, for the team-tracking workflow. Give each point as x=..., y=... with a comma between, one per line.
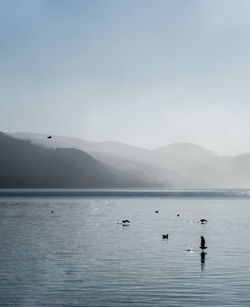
x=27, y=165
x=178, y=165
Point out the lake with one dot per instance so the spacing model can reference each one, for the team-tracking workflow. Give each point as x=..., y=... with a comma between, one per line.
x=68, y=248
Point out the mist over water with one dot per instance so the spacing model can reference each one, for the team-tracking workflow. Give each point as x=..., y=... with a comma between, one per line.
x=79, y=256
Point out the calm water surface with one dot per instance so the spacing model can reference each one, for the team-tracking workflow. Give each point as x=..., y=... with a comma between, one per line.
x=80, y=256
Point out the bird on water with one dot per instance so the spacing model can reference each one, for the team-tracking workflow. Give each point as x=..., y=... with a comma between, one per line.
x=165, y=236
x=203, y=221
x=203, y=244
x=125, y=223
x=49, y=137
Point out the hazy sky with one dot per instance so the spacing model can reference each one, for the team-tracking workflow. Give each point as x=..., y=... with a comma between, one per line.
x=147, y=73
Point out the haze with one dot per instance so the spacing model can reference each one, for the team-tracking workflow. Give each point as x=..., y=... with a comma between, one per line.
x=147, y=73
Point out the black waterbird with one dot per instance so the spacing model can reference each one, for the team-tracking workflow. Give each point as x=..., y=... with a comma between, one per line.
x=203, y=243
x=203, y=221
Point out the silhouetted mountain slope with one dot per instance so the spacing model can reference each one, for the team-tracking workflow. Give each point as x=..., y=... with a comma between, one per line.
x=179, y=165
x=107, y=147
x=130, y=159
x=23, y=164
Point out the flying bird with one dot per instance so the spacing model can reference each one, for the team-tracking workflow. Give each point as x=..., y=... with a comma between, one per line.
x=203, y=243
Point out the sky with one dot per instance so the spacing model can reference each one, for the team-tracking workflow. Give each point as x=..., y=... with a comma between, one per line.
x=143, y=72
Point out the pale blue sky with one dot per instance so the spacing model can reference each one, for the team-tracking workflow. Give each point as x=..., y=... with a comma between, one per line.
x=143, y=72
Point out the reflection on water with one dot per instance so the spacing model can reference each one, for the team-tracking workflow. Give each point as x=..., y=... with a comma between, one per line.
x=74, y=252
x=203, y=259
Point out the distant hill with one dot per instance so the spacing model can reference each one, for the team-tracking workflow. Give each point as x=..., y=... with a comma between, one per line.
x=25, y=165
x=178, y=165
x=130, y=159
x=107, y=147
